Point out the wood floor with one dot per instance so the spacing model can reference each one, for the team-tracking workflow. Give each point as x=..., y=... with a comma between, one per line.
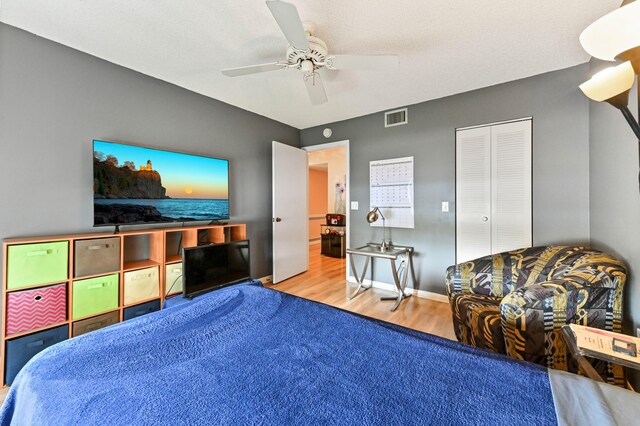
x=325, y=282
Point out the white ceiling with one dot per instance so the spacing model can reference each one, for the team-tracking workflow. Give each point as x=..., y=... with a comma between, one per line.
x=445, y=47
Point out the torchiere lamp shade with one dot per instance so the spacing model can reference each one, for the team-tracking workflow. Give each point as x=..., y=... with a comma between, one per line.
x=614, y=33
x=611, y=85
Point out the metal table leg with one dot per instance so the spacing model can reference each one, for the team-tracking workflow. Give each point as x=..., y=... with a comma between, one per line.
x=400, y=282
x=360, y=279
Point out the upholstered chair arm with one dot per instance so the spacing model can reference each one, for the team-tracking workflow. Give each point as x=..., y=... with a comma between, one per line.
x=474, y=276
x=532, y=315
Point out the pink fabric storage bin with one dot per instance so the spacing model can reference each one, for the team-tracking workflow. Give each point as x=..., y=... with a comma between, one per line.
x=40, y=307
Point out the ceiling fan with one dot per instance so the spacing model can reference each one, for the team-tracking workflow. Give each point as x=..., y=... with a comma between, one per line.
x=308, y=53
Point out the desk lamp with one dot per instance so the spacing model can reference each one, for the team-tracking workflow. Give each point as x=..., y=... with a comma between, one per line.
x=372, y=216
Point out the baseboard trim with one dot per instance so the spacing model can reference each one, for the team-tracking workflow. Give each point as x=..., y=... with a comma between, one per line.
x=315, y=241
x=423, y=294
x=268, y=279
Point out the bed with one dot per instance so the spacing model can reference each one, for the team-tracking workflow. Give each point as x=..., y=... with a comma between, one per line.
x=251, y=355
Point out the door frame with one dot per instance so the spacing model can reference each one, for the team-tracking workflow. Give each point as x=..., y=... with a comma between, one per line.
x=339, y=144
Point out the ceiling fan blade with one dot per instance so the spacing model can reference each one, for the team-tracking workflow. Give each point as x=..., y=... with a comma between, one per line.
x=358, y=62
x=252, y=69
x=287, y=17
x=315, y=88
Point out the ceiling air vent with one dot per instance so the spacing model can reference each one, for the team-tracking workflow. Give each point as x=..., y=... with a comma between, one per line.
x=397, y=117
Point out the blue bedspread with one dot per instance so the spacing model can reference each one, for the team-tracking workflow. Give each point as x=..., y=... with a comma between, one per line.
x=250, y=355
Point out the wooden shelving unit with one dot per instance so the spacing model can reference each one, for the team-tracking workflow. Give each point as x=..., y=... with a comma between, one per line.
x=139, y=249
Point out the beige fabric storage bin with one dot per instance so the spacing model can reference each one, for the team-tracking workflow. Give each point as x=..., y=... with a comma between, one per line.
x=96, y=256
x=140, y=285
x=173, y=279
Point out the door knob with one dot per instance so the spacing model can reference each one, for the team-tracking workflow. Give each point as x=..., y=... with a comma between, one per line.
x=485, y=218
x=277, y=219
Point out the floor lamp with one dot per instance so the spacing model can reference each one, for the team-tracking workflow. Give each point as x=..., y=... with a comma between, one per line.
x=612, y=85
x=615, y=37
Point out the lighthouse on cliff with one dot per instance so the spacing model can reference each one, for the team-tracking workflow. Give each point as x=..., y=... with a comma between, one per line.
x=147, y=168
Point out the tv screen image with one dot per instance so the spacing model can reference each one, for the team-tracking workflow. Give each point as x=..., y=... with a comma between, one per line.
x=214, y=266
x=133, y=185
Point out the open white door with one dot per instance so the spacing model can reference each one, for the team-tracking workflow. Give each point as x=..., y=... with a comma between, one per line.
x=290, y=211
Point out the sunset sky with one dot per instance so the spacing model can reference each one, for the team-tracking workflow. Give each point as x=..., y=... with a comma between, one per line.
x=184, y=176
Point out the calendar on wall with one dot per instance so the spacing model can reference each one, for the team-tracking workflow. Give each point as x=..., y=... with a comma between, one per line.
x=391, y=190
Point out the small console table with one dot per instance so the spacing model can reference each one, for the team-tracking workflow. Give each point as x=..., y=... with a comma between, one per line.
x=332, y=239
x=400, y=272
x=581, y=355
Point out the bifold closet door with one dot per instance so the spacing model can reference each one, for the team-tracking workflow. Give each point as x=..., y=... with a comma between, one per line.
x=511, y=186
x=473, y=193
x=493, y=189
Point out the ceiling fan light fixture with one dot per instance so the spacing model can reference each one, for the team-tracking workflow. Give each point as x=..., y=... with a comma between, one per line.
x=306, y=66
x=308, y=53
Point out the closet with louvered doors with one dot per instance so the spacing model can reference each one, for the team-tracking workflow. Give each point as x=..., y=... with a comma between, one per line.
x=493, y=189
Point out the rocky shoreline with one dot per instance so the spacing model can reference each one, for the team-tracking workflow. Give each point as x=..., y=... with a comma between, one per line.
x=112, y=214
x=124, y=197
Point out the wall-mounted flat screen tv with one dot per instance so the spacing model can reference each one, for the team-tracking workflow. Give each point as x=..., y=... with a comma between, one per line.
x=213, y=266
x=136, y=185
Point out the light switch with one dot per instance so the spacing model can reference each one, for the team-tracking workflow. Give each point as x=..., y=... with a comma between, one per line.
x=354, y=205
x=445, y=206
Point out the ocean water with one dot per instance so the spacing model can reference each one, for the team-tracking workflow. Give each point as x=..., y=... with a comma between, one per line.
x=197, y=209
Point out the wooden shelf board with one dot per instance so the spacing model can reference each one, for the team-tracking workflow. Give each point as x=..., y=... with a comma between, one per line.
x=95, y=315
x=50, y=238
x=139, y=264
x=31, y=287
x=176, y=258
x=62, y=237
x=35, y=330
x=140, y=302
x=134, y=232
x=84, y=277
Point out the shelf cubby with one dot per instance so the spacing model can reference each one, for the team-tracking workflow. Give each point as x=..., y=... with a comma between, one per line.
x=221, y=234
x=237, y=233
x=142, y=250
x=175, y=241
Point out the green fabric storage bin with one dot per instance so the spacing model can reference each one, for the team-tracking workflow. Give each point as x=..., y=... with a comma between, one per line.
x=33, y=264
x=95, y=295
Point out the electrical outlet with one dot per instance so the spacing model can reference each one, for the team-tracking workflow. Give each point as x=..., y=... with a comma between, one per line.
x=354, y=205
x=638, y=332
x=445, y=206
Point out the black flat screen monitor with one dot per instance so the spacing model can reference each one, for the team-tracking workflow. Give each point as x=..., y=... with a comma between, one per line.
x=213, y=266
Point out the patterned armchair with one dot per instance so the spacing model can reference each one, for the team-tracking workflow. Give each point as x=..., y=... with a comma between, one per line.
x=515, y=302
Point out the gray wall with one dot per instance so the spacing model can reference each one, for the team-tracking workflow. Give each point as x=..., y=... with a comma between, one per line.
x=560, y=163
x=55, y=100
x=614, y=194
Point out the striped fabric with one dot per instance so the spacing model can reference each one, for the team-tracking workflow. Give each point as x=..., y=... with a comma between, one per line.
x=31, y=309
x=516, y=302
